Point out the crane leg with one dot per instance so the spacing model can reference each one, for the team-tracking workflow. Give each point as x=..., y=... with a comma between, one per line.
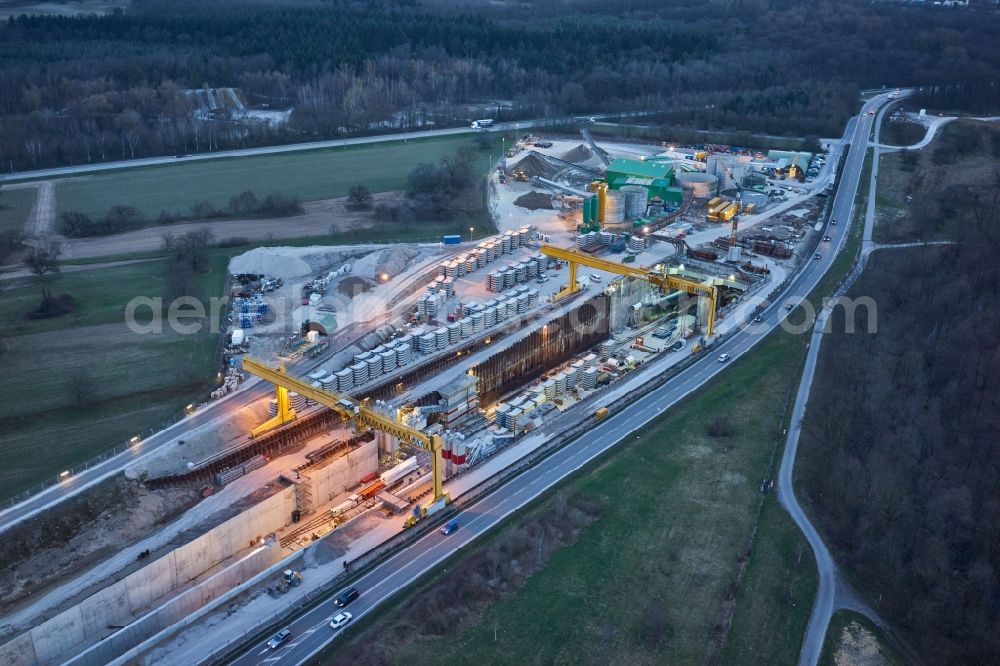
x=437, y=469
x=572, y=286
x=284, y=415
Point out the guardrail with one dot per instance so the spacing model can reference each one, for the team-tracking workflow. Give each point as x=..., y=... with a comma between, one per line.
x=95, y=461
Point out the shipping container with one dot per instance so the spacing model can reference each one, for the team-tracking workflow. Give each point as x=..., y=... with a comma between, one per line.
x=453, y=239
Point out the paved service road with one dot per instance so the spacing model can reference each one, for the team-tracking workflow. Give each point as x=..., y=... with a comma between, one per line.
x=251, y=390
x=822, y=611
x=287, y=148
x=311, y=631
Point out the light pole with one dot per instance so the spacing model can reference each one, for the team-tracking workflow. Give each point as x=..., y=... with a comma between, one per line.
x=471, y=231
x=385, y=280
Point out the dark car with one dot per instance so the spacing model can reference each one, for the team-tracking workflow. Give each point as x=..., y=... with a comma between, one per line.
x=279, y=638
x=346, y=597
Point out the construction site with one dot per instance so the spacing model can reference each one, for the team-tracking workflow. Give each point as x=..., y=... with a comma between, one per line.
x=371, y=385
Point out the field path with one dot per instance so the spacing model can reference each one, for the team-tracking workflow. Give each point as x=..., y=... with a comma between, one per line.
x=317, y=220
x=22, y=273
x=41, y=222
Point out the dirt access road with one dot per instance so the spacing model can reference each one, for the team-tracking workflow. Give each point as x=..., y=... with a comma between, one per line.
x=41, y=222
x=319, y=219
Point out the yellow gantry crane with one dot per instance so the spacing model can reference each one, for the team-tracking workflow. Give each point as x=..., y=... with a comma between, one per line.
x=362, y=415
x=661, y=280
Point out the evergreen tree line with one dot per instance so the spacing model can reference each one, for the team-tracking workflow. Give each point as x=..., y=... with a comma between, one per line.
x=78, y=90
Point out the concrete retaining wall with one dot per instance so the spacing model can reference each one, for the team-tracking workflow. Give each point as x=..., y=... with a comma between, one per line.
x=343, y=473
x=178, y=608
x=281, y=562
x=59, y=638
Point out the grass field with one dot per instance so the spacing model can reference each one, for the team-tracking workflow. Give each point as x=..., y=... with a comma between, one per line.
x=101, y=297
x=15, y=205
x=138, y=381
x=647, y=582
x=774, y=601
x=853, y=639
x=142, y=381
x=388, y=233
x=307, y=176
x=931, y=193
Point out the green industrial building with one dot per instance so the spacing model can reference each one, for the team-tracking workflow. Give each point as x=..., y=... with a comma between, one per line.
x=655, y=175
x=791, y=162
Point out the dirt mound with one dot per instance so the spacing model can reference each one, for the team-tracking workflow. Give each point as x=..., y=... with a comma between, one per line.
x=391, y=261
x=66, y=540
x=202, y=442
x=533, y=165
x=353, y=285
x=579, y=154
x=534, y=201
x=270, y=261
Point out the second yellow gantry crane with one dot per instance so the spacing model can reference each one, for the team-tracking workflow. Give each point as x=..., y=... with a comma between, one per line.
x=661, y=280
x=362, y=415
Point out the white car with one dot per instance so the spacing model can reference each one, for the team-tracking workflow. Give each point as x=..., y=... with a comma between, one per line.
x=340, y=619
x=595, y=278
x=723, y=358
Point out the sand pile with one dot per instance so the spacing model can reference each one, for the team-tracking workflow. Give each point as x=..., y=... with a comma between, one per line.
x=534, y=201
x=275, y=261
x=353, y=285
x=534, y=166
x=391, y=261
x=580, y=153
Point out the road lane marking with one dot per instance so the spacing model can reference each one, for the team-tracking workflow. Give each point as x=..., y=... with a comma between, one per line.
x=696, y=378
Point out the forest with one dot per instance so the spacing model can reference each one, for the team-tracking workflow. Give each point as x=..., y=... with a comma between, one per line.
x=79, y=90
x=900, y=462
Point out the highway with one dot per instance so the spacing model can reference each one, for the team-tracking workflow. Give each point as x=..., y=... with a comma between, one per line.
x=80, y=169
x=310, y=631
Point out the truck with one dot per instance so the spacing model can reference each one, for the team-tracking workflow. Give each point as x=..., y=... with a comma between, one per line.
x=419, y=514
x=482, y=124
